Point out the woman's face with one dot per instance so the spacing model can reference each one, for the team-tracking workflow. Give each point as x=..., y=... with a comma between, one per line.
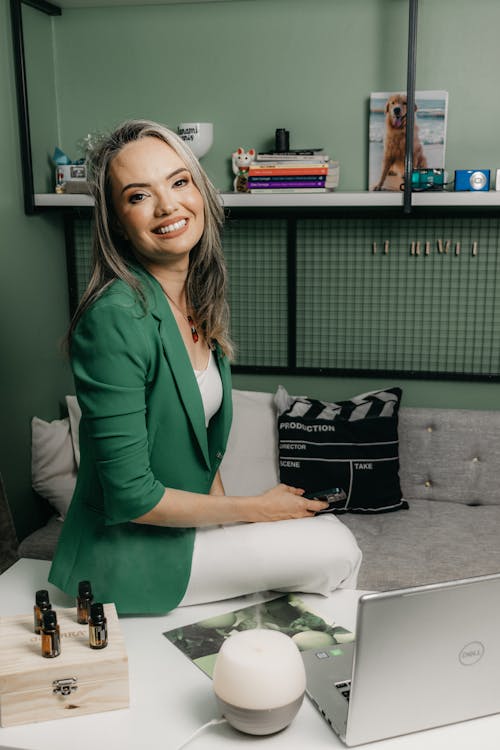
x=159, y=209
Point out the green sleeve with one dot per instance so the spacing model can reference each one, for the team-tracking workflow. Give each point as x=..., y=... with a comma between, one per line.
x=111, y=361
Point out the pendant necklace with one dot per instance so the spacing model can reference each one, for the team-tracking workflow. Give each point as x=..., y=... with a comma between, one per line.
x=194, y=332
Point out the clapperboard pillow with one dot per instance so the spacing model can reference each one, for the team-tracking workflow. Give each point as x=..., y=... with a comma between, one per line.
x=349, y=445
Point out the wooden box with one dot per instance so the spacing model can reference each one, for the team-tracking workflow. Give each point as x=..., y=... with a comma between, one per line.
x=79, y=681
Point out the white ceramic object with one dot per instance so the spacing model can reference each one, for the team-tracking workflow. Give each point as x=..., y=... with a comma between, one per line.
x=259, y=680
x=199, y=136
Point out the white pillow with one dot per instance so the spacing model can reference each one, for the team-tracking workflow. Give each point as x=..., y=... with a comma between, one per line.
x=250, y=464
x=53, y=466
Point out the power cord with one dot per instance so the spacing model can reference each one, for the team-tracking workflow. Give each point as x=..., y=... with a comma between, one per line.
x=195, y=734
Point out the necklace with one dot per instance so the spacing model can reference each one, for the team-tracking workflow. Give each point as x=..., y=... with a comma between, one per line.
x=194, y=332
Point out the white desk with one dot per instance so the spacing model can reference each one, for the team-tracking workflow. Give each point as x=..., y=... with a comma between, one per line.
x=170, y=697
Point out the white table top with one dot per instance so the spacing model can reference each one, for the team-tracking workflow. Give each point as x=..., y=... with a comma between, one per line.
x=170, y=697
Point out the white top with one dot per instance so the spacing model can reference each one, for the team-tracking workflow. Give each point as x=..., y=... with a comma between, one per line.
x=210, y=385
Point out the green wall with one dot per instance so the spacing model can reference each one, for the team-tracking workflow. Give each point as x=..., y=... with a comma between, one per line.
x=429, y=393
x=38, y=29
x=249, y=66
x=33, y=308
x=253, y=66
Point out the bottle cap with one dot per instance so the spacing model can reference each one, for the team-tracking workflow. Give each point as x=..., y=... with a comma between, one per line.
x=97, y=612
x=42, y=597
x=49, y=619
x=84, y=588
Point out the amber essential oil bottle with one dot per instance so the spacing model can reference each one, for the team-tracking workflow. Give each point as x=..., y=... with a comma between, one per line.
x=98, y=627
x=83, y=602
x=51, y=636
x=42, y=604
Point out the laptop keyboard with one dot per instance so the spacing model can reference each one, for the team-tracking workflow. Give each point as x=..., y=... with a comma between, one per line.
x=345, y=688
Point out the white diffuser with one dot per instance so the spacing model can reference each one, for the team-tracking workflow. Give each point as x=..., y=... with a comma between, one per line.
x=259, y=680
x=199, y=136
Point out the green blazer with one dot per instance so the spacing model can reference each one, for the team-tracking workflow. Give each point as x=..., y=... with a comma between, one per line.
x=142, y=430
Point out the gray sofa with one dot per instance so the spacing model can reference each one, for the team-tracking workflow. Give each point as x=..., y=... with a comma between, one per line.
x=450, y=476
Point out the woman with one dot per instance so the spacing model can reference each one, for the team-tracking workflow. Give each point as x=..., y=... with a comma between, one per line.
x=150, y=352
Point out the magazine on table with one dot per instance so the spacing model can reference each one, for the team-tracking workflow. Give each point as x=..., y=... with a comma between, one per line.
x=201, y=641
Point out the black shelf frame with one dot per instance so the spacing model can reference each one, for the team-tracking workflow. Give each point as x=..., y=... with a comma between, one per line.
x=22, y=93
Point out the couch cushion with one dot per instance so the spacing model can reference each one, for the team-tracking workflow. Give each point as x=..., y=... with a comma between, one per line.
x=250, y=464
x=351, y=445
x=450, y=454
x=41, y=544
x=432, y=541
x=53, y=466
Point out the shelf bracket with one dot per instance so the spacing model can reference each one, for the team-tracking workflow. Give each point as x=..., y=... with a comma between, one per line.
x=410, y=99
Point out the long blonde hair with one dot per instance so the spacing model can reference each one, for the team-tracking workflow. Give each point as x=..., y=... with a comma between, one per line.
x=206, y=280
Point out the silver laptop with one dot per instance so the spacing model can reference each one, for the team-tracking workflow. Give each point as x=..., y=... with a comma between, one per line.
x=423, y=657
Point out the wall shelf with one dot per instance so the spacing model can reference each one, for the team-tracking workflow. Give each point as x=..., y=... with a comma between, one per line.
x=55, y=200
x=445, y=199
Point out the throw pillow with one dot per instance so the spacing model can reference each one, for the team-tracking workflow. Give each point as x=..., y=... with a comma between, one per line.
x=349, y=446
x=53, y=467
x=250, y=464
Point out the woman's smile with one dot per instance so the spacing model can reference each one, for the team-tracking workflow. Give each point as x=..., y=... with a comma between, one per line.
x=173, y=229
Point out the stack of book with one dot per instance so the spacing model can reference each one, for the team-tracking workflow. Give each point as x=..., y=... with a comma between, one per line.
x=299, y=171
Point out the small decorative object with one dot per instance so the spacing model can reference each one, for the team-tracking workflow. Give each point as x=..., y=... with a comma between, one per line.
x=259, y=680
x=282, y=141
x=84, y=602
x=70, y=177
x=51, y=634
x=88, y=143
x=42, y=604
x=199, y=136
x=241, y=164
x=98, y=627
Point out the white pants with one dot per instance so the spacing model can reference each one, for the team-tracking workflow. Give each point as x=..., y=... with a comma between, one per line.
x=311, y=555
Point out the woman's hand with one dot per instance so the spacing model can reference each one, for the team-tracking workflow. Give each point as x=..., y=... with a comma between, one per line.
x=186, y=509
x=284, y=502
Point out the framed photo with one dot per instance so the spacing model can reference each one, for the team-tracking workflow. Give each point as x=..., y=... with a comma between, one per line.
x=387, y=136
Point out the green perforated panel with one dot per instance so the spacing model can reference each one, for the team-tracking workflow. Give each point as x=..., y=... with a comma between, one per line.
x=404, y=295
x=256, y=254
x=82, y=239
x=401, y=295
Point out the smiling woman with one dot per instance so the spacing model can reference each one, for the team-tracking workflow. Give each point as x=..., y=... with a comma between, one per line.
x=158, y=207
x=150, y=350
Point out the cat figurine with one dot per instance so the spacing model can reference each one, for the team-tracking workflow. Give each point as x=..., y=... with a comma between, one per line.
x=241, y=164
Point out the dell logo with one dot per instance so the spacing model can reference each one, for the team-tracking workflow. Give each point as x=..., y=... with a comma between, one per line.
x=471, y=653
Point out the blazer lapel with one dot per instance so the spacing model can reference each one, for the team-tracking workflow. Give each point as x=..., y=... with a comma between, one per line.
x=177, y=356
x=220, y=424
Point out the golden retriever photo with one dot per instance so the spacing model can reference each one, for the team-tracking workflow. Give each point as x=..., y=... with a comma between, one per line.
x=388, y=137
